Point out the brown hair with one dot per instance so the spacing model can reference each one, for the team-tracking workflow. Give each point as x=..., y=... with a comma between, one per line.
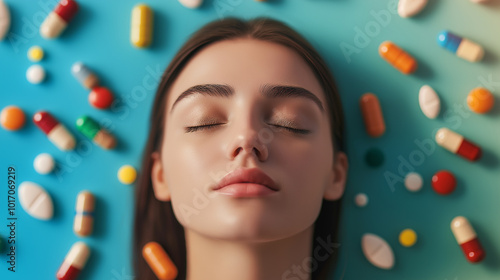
x=154, y=219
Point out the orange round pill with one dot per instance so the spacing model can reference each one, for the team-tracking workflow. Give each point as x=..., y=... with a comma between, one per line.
x=397, y=57
x=159, y=261
x=12, y=118
x=480, y=100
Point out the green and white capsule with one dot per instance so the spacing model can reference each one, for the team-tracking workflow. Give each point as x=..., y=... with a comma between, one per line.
x=92, y=130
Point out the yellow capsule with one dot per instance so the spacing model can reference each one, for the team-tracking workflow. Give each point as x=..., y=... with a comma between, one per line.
x=141, y=32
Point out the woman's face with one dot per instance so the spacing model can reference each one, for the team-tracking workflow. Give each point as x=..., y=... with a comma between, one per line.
x=247, y=135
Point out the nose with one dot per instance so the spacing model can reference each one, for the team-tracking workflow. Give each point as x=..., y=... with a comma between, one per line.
x=248, y=143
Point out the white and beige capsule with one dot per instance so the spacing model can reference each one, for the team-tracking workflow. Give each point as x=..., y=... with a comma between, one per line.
x=192, y=4
x=84, y=217
x=429, y=102
x=4, y=20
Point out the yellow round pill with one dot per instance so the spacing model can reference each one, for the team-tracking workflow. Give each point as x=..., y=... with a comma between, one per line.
x=127, y=174
x=35, y=53
x=408, y=237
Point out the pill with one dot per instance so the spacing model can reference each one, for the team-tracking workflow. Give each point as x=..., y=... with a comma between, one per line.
x=397, y=57
x=44, y=163
x=91, y=129
x=361, y=199
x=429, y=102
x=377, y=251
x=479, y=1
x=159, y=261
x=35, y=201
x=409, y=8
x=57, y=20
x=192, y=4
x=127, y=174
x=480, y=100
x=84, y=75
x=457, y=144
x=35, y=74
x=12, y=118
x=408, y=237
x=35, y=53
x=84, y=216
x=372, y=115
x=74, y=262
x=55, y=131
x=413, y=182
x=467, y=239
x=4, y=19
x=374, y=157
x=444, y=182
x=101, y=98
x=141, y=31
x=462, y=47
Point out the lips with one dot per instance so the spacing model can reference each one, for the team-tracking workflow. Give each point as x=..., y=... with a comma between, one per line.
x=252, y=175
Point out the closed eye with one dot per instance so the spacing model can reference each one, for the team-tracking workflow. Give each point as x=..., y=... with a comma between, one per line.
x=209, y=126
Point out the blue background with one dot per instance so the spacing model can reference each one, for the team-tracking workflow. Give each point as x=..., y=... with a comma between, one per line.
x=99, y=36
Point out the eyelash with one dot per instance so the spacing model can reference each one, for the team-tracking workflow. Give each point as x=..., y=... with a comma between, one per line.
x=208, y=126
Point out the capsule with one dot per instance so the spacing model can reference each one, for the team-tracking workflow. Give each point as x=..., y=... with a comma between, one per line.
x=462, y=47
x=397, y=57
x=94, y=132
x=457, y=144
x=192, y=4
x=4, y=20
x=84, y=75
x=84, y=217
x=467, y=239
x=74, y=262
x=159, y=261
x=58, y=19
x=372, y=115
x=55, y=131
x=141, y=32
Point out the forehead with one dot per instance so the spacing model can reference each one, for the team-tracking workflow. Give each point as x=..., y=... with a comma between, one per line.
x=246, y=64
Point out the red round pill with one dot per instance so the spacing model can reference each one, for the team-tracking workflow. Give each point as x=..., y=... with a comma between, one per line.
x=444, y=182
x=101, y=97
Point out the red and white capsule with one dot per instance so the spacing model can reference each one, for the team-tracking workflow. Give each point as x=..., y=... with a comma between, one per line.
x=74, y=262
x=457, y=144
x=467, y=239
x=58, y=19
x=56, y=132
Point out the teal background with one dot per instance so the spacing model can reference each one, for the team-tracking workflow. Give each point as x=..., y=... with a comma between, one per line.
x=99, y=36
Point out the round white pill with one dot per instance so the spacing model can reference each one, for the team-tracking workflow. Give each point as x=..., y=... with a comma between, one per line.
x=44, y=163
x=413, y=182
x=35, y=74
x=361, y=199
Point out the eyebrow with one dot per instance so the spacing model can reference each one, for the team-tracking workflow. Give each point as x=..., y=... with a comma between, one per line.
x=267, y=90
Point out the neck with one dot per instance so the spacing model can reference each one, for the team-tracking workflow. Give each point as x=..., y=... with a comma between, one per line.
x=288, y=258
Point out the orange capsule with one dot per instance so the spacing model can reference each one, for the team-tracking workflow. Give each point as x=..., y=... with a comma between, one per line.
x=159, y=261
x=480, y=100
x=84, y=217
x=397, y=57
x=372, y=115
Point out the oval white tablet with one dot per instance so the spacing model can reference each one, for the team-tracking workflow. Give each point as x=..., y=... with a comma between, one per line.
x=409, y=8
x=4, y=19
x=44, y=163
x=361, y=199
x=377, y=251
x=413, y=182
x=35, y=201
x=429, y=102
x=35, y=74
x=192, y=4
